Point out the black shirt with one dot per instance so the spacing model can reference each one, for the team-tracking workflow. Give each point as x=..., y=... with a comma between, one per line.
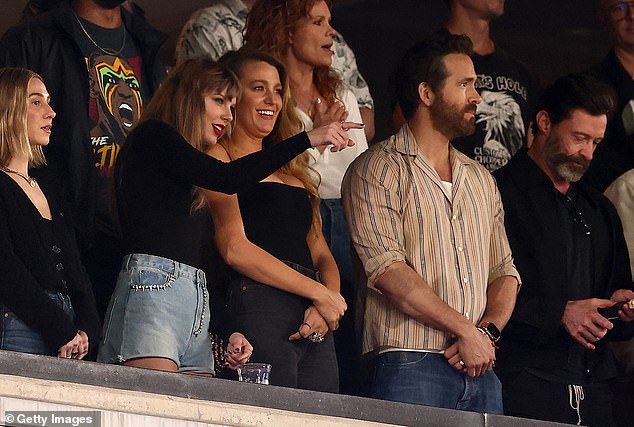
x=154, y=179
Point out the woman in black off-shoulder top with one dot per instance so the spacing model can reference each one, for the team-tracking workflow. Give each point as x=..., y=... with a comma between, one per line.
x=285, y=291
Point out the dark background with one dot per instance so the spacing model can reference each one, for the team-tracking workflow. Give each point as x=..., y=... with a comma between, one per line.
x=551, y=37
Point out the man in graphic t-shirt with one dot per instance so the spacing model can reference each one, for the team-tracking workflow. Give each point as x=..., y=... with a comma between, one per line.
x=507, y=89
x=100, y=65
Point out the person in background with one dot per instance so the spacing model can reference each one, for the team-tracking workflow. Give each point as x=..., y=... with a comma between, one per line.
x=554, y=360
x=101, y=65
x=158, y=317
x=274, y=228
x=321, y=97
x=46, y=301
x=507, y=89
x=428, y=225
x=218, y=28
x=615, y=155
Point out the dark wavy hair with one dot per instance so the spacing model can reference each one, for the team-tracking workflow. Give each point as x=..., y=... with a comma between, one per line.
x=424, y=62
x=575, y=92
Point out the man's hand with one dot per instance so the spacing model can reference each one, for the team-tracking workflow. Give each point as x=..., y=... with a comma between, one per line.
x=626, y=313
x=474, y=350
x=584, y=323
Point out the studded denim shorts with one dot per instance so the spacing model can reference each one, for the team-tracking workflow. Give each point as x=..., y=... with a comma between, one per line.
x=160, y=308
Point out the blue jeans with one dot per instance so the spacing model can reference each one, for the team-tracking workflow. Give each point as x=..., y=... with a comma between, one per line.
x=427, y=379
x=16, y=335
x=160, y=308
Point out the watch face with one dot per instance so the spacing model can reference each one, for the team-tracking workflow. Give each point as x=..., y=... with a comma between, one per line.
x=494, y=332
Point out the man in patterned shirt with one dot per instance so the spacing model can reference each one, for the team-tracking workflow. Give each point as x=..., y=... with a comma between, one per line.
x=216, y=29
x=428, y=226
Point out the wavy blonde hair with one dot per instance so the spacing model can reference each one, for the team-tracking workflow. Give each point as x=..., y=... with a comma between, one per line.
x=180, y=102
x=270, y=25
x=287, y=124
x=14, y=99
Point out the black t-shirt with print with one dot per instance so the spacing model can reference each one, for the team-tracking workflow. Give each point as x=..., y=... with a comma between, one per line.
x=508, y=100
x=117, y=93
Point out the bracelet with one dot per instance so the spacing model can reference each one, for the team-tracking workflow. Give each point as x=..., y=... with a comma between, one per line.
x=489, y=336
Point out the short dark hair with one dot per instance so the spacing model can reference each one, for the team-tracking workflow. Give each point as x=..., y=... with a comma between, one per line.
x=575, y=92
x=424, y=62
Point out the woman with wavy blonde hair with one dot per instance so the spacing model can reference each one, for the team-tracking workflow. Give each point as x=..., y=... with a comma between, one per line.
x=274, y=227
x=158, y=316
x=46, y=301
x=298, y=33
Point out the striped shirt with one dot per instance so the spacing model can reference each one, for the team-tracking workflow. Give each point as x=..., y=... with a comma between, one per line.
x=399, y=211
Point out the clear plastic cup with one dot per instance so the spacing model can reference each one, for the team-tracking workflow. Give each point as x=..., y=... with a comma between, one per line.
x=256, y=373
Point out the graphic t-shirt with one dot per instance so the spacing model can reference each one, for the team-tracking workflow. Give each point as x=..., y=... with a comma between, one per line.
x=508, y=98
x=115, y=79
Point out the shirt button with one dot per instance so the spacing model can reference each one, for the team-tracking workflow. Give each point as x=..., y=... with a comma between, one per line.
x=459, y=248
x=59, y=266
x=56, y=249
x=454, y=217
x=465, y=279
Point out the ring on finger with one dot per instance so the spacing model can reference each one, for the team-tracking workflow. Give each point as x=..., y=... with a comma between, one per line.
x=316, y=337
x=461, y=363
x=307, y=324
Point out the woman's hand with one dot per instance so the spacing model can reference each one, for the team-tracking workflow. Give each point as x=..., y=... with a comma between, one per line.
x=333, y=133
x=336, y=113
x=238, y=350
x=331, y=306
x=313, y=322
x=76, y=348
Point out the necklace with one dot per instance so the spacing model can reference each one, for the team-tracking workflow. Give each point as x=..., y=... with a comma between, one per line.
x=32, y=182
x=107, y=51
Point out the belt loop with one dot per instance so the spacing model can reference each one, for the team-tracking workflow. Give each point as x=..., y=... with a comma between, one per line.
x=126, y=262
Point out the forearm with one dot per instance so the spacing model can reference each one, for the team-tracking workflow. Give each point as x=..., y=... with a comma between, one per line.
x=501, y=296
x=329, y=272
x=257, y=264
x=408, y=292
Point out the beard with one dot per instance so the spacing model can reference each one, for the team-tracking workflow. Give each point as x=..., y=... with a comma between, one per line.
x=569, y=167
x=449, y=119
x=109, y=4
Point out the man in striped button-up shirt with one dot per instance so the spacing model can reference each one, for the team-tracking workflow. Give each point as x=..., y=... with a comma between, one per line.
x=428, y=225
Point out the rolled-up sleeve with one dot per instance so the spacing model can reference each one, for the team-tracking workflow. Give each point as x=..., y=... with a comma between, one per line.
x=372, y=207
x=500, y=257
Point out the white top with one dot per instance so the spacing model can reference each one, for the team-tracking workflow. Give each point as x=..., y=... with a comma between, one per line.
x=332, y=166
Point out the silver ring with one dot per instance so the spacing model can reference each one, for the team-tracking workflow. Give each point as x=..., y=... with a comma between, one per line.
x=316, y=337
x=461, y=363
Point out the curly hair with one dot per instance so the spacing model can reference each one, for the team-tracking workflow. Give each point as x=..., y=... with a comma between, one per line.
x=287, y=124
x=270, y=25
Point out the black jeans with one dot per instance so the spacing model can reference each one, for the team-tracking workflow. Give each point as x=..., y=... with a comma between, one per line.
x=267, y=317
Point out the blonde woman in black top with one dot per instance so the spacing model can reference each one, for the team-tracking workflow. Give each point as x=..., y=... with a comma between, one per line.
x=46, y=301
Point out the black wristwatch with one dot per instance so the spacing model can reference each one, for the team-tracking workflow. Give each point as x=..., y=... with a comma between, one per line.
x=491, y=331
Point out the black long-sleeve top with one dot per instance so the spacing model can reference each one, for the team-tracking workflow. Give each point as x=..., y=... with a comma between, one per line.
x=30, y=264
x=155, y=174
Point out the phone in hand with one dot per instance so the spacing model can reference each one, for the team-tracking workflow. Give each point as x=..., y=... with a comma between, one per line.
x=612, y=313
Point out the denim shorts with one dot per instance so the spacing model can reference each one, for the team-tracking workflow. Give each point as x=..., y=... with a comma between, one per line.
x=160, y=308
x=16, y=335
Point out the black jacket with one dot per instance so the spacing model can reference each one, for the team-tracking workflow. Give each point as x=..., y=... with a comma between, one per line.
x=534, y=336
x=28, y=267
x=45, y=44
